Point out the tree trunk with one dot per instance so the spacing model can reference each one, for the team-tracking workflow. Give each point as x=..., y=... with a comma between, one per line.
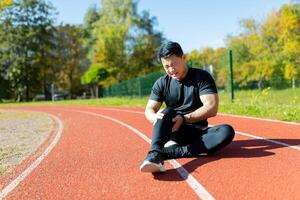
x=18, y=97
x=260, y=84
x=96, y=91
x=293, y=83
x=44, y=82
x=92, y=90
x=27, y=92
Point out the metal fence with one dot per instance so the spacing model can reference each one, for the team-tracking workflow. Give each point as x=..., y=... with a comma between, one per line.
x=141, y=86
x=137, y=87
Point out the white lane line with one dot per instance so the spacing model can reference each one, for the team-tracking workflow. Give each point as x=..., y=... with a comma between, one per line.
x=222, y=114
x=115, y=109
x=192, y=182
x=28, y=170
x=238, y=132
x=269, y=140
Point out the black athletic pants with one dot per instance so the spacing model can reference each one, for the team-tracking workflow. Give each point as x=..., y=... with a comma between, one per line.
x=193, y=138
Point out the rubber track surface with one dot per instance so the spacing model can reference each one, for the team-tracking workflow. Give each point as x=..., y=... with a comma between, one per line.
x=97, y=158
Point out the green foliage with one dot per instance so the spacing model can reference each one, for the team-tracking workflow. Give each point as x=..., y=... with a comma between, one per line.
x=193, y=59
x=142, y=46
x=35, y=54
x=289, y=23
x=264, y=55
x=5, y=3
x=267, y=103
x=121, y=40
x=4, y=91
x=89, y=24
x=25, y=28
x=95, y=74
x=70, y=59
x=140, y=86
x=111, y=32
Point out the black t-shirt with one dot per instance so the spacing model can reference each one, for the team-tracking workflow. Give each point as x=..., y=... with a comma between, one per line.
x=184, y=95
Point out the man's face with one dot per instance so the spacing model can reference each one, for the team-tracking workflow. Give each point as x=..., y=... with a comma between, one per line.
x=175, y=66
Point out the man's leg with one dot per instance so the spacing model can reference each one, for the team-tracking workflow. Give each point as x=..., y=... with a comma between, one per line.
x=162, y=130
x=161, y=135
x=209, y=140
x=212, y=140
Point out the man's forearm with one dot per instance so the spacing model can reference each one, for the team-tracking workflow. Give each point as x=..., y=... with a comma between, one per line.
x=150, y=115
x=202, y=113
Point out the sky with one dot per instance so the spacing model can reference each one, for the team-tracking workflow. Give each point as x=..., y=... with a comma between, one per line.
x=192, y=23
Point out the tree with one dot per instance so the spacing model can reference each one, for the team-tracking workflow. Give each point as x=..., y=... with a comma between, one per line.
x=70, y=58
x=93, y=77
x=251, y=55
x=193, y=59
x=5, y=3
x=90, y=19
x=123, y=41
x=111, y=33
x=23, y=25
x=142, y=46
x=265, y=54
x=289, y=24
x=221, y=68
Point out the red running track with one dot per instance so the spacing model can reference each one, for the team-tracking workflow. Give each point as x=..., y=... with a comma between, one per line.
x=100, y=150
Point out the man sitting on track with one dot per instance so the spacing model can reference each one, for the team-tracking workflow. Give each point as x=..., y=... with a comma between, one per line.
x=191, y=97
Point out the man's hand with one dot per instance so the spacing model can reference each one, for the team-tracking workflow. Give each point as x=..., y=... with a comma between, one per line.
x=152, y=111
x=178, y=122
x=158, y=115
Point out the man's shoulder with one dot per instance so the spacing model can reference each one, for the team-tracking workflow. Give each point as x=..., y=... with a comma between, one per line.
x=198, y=71
x=165, y=76
x=198, y=74
x=162, y=78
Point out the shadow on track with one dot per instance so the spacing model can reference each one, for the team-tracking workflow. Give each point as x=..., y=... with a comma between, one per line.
x=237, y=149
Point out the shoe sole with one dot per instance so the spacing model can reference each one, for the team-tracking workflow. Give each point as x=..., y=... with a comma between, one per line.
x=151, y=167
x=170, y=143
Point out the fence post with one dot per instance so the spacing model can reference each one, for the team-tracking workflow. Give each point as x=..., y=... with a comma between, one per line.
x=52, y=91
x=140, y=87
x=231, y=75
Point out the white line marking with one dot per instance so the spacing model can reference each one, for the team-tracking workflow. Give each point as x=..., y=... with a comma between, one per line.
x=222, y=114
x=27, y=171
x=192, y=182
x=238, y=132
x=269, y=140
x=115, y=109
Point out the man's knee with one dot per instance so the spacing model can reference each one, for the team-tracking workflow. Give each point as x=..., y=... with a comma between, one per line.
x=169, y=112
x=166, y=121
x=224, y=136
x=228, y=132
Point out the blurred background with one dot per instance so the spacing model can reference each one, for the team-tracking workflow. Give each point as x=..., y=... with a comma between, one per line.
x=55, y=50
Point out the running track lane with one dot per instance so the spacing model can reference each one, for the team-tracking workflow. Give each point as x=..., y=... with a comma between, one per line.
x=96, y=159
x=249, y=166
x=247, y=169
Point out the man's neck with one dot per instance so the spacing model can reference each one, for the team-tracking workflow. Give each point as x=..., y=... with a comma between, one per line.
x=185, y=73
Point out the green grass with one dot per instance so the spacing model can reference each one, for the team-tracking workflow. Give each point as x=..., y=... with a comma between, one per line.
x=268, y=103
x=273, y=104
x=114, y=101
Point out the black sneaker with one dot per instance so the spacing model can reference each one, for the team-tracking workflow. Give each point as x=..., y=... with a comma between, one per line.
x=153, y=163
x=175, y=151
x=171, y=152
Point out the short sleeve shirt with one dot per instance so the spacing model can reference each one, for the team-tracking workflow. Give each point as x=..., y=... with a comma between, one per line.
x=184, y=95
